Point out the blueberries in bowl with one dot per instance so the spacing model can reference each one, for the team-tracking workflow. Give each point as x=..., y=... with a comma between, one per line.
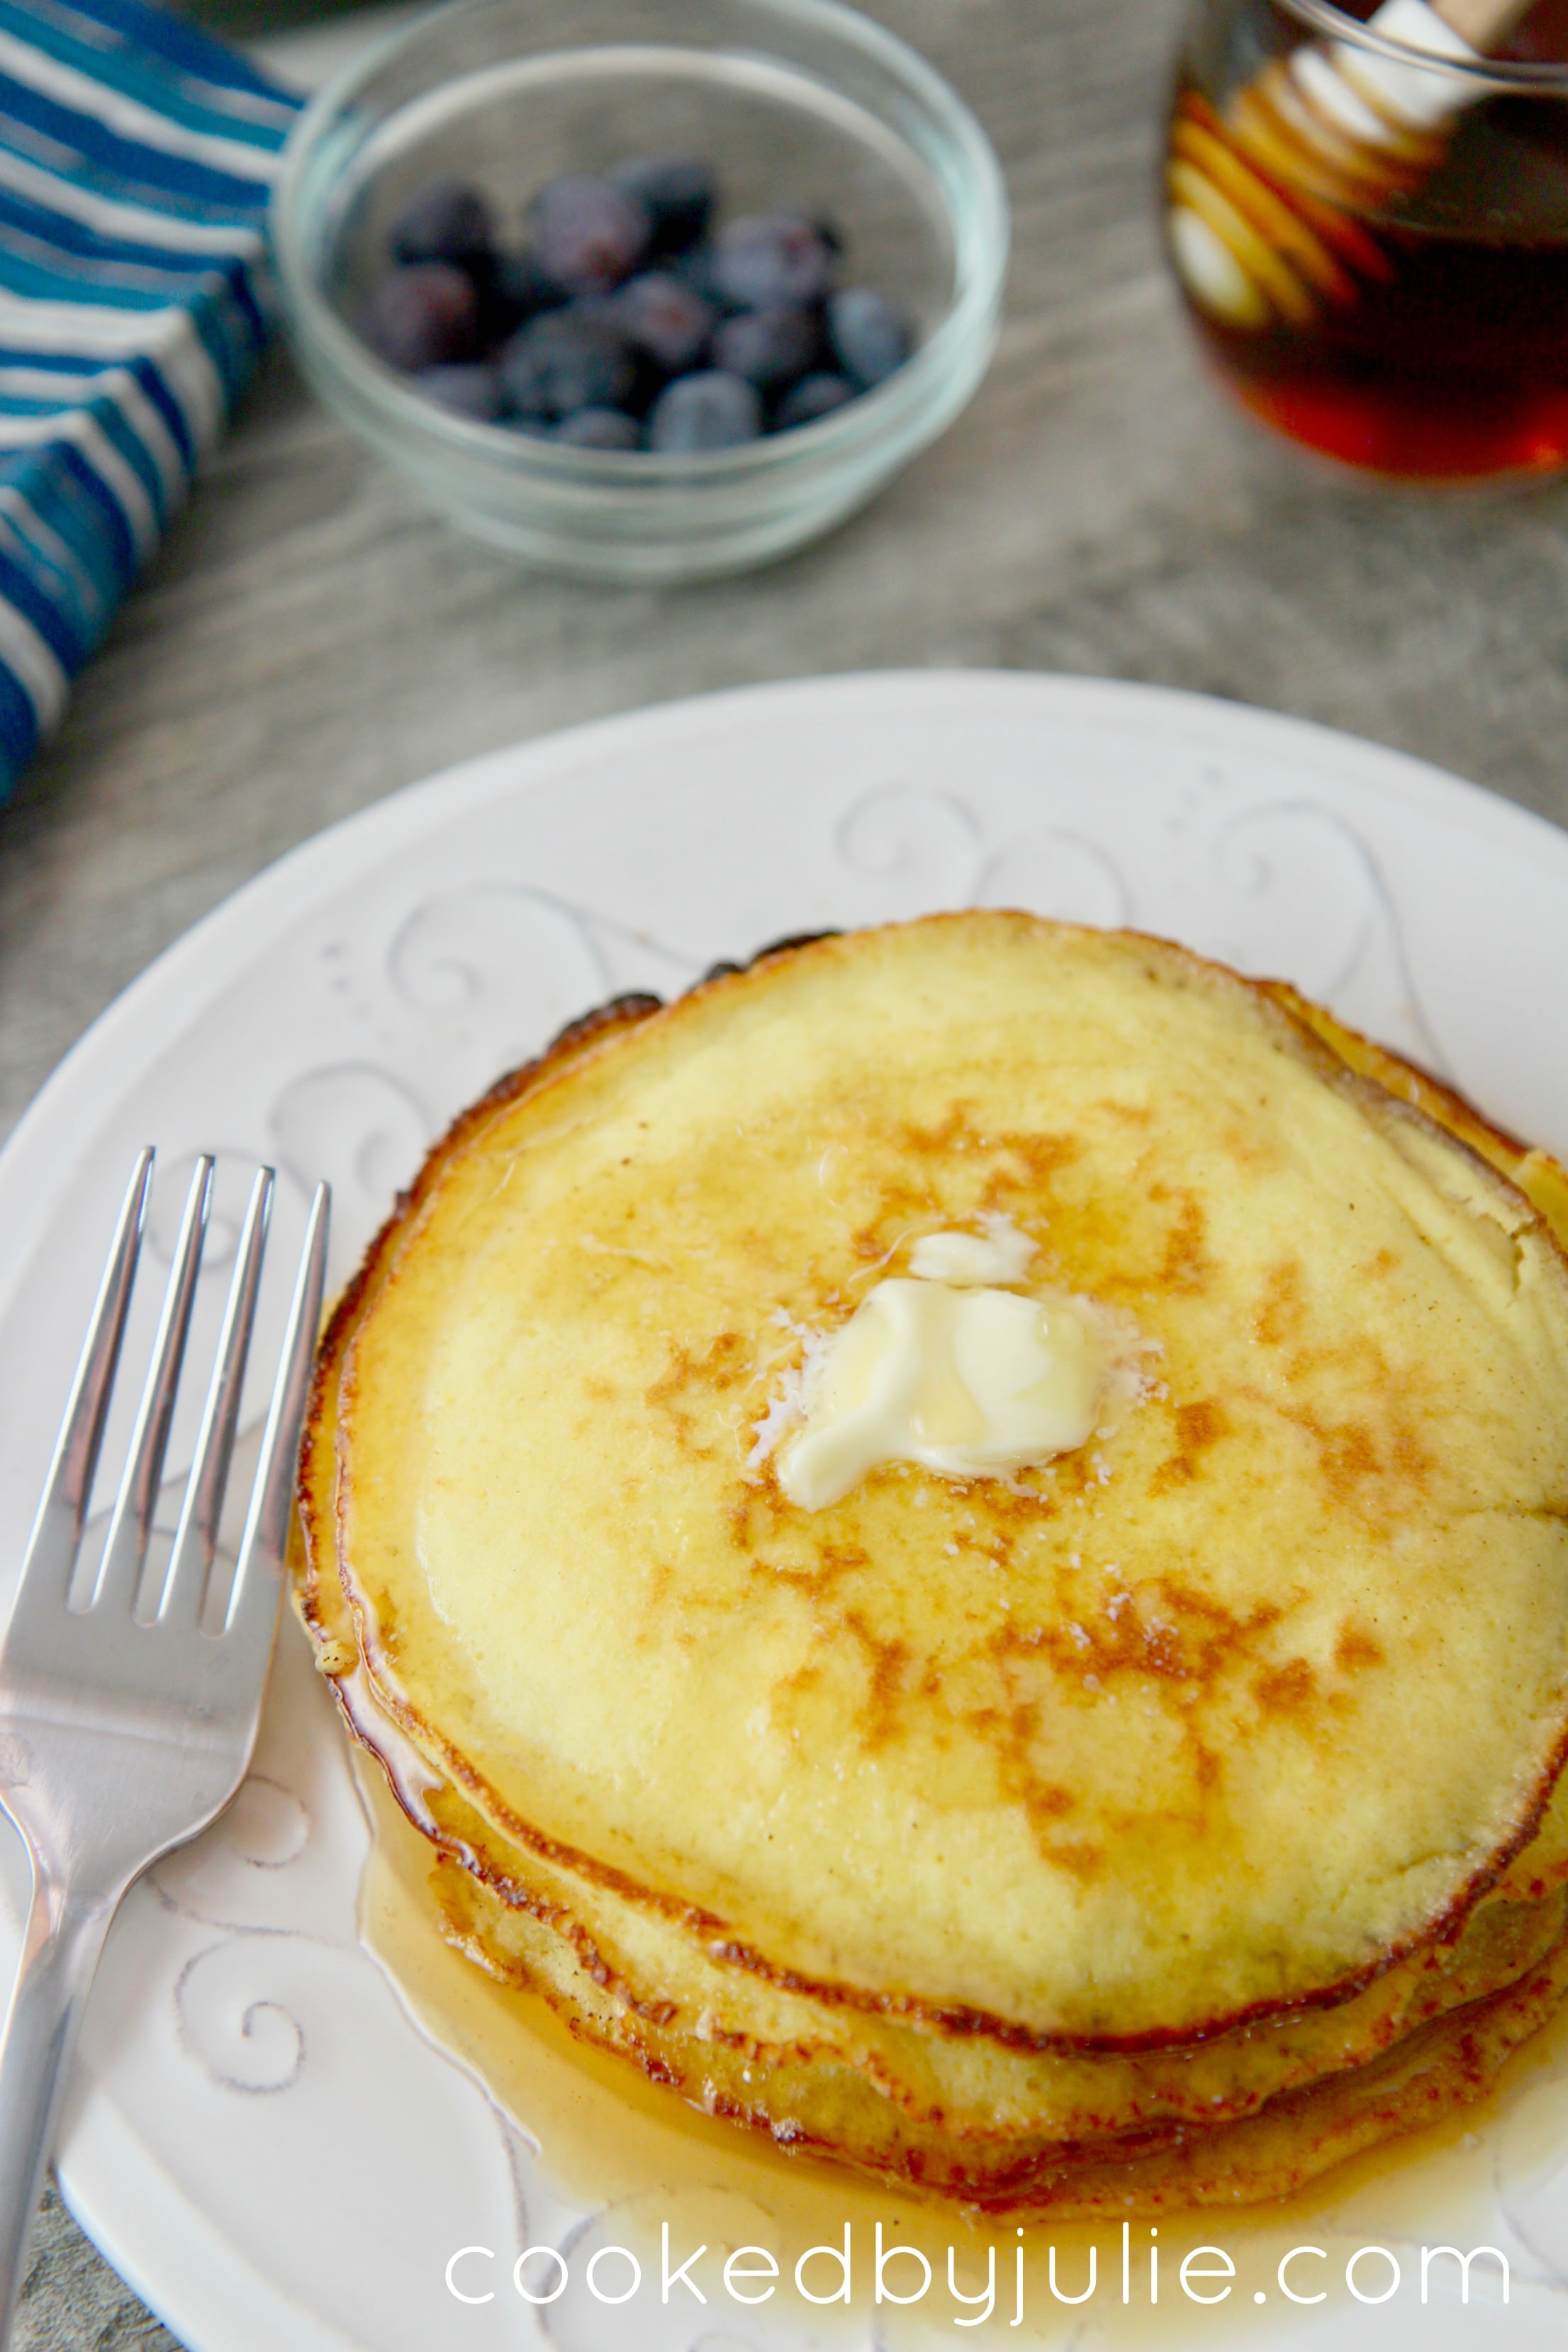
x=470, y=388
x=666, y=319
x=766, y=257
x=870, y=335
x=514, y=289
x=564, y=360
x=633, y=317
x=813, y=396
x=423, y=316
x=678, y=193
x=588, y=235
x=445, y=220
x=771, y=347
x=711, y=410
x=599, y=428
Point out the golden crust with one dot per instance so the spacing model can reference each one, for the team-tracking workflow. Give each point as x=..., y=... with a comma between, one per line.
x=815, y=2104
x=572, y=1891
x=666, y=1996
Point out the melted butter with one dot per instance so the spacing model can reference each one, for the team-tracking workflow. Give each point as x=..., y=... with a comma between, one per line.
x=605, y=2137
x=969, y=1383
x=1001, y=1252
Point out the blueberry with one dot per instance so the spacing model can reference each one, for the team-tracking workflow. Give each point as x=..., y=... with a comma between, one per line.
x=813, y=396
x=678, y=193
x=588, y=235
x=767, y=257
x=422, y=316
x=564, y=360
x=445, y=220
x=599, y=428
x=467, y=390
x=770, y=348
x=711, y=410
x=664, y=319
x=515, y=291
x=871, y=335
x=694, y=268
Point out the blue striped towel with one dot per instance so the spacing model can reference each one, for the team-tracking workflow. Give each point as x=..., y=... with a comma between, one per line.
x=136, y=160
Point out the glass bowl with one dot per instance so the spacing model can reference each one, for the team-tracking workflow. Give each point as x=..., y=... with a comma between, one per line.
x=796, y=103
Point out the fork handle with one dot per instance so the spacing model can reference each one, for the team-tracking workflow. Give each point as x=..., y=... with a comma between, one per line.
x=59, y=1953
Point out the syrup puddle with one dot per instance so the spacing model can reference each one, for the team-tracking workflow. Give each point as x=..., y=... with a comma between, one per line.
x=606, y=2138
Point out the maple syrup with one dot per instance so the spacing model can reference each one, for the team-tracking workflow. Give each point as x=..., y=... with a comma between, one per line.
x=1431, y=344
x=605, y=2137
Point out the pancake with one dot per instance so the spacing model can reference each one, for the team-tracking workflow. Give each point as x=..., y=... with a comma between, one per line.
x=624, y=1978
x=1118, y=1797
x=815, y=2101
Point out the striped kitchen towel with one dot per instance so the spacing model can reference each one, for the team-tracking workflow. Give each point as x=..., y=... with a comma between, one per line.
x=136, y=160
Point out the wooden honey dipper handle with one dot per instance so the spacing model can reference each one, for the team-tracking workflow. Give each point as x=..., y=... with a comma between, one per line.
x=1485, y=24
x=1271, y=207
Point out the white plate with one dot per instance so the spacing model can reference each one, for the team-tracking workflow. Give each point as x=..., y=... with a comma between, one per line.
x=258, y=2138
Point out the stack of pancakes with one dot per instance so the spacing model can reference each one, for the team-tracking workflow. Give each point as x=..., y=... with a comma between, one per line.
x=1153, y=1827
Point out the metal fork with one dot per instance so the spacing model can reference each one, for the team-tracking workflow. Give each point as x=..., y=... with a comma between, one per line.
x=125, y=1730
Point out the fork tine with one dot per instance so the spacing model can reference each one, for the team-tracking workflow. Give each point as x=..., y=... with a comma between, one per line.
x=57, y=1530
x=253, y=1600
x=195, y=1538
x=125, y=1546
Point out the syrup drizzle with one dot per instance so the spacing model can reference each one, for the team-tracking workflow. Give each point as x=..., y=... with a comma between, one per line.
x=607, y=2139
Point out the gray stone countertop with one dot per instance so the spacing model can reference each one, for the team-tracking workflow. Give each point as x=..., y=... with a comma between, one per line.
x=309, y=639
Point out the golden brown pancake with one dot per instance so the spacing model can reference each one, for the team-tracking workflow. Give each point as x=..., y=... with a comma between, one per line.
x=1003, y=1815
x=712, y=2031
x=818, y=2100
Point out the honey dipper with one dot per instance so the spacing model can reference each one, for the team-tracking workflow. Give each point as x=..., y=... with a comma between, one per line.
x=1264, y=201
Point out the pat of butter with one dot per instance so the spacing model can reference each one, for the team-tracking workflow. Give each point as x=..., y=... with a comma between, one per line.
x=1001, y=1254
x=969, y=1383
